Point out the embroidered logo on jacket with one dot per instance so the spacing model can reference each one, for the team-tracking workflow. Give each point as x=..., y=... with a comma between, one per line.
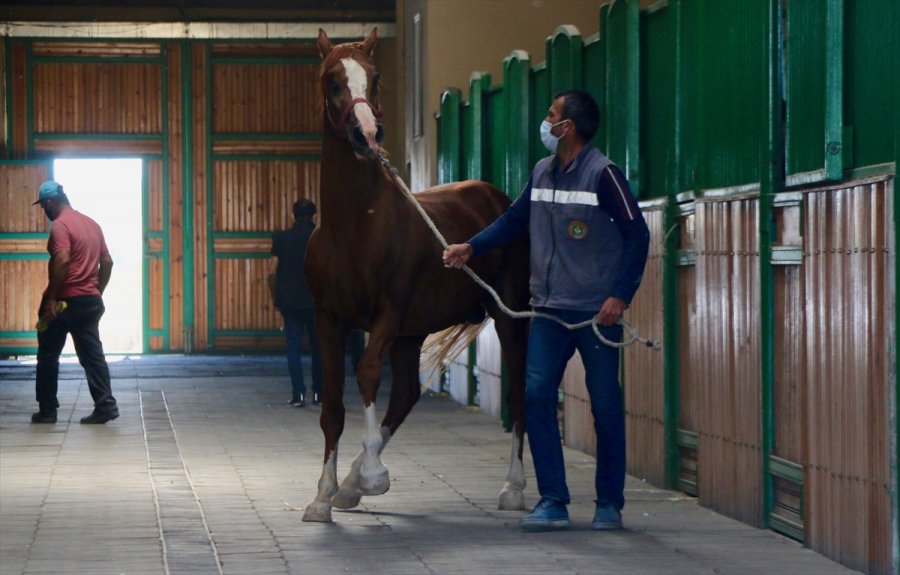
x=577, y=230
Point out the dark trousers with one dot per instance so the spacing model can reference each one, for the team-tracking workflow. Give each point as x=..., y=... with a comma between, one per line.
x=294, y=324
x=81, y=319
x=550, y=346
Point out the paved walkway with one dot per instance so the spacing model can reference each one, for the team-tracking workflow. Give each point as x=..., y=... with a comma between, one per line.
x=207, y=471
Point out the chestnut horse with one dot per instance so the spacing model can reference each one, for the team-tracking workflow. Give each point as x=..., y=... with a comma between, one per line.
x=373, y=264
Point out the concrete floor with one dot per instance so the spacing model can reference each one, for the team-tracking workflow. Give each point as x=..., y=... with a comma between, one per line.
x=207, y=471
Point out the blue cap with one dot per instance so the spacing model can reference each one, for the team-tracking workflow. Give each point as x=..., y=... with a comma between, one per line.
x=49, y=190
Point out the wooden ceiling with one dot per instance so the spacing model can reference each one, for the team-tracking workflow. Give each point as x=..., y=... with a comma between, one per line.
x=198, y=11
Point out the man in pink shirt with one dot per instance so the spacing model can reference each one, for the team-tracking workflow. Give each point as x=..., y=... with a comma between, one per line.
x=79, y=270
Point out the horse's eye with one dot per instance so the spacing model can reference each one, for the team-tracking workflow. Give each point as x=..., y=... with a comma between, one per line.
x=334, y=87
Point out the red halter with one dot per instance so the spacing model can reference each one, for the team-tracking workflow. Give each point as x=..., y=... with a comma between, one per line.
x=349, y=108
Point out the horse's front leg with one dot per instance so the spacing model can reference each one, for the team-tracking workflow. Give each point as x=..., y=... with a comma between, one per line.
x=331, y=350
x=350, y=493
x=404, y=394
x=368, y=475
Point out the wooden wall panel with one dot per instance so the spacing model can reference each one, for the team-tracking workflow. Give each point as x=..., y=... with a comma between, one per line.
x=99, y=146
x=690, y=366
x=19, y=103
x=20, y=183
x=266, y=98
x=90, y=97
x=242, y=296
x=847, y=463
x=258, y=196
x=643, y=368
x=155, y=285
x=155, y=196
x=729, y=441
x=22, y=282
x=176, y=163
x=790, y=359
x=95, y=49
x=155, y=251
x=199, y=63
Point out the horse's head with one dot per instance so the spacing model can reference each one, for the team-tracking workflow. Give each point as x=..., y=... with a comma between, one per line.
x=349, y=82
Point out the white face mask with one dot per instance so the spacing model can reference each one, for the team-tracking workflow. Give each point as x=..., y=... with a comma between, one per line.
x=549, y=140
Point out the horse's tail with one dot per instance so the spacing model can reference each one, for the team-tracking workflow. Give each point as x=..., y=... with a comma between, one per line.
x=446, y=345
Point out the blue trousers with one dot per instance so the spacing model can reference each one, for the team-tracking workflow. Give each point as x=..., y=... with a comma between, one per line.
x=550, y=346
x=294, y=324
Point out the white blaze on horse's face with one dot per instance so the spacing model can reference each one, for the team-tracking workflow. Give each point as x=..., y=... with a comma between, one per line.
x=357, y=82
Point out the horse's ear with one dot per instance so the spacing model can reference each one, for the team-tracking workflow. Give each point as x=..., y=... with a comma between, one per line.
x=325, y=45
x=369, y=45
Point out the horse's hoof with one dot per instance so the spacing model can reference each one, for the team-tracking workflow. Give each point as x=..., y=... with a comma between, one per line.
x=511, y=501
x=374, y=483
x=318, y=512
x=346, y=498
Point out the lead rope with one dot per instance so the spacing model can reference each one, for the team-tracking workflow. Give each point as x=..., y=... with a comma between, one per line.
x=633, y=335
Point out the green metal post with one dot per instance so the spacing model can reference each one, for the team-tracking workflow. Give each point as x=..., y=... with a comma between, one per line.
x=671, y=312
x=632, y=96
x=895, y=467
x=564, y=58
x=772, y=157
x=834, y=89
x=476, y=159
x=517, y=93
x=516, y=77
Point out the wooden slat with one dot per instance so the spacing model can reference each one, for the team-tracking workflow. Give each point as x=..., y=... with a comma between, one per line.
x=175, y=132
x=727, y=353
x=96, y=146
x=199, y=199
x=155, y=285
x=94, y=49
x=643, y=369
x=22, y=282
x=302, y=147
x=97, y=98
x=20, y=183
x=847, y=457
x=155, y=245
x=19, y=102
x=12, y=245
x=243, y=301
x=243, y=245
x=155, y=194
x=258, y=196
x=266, y=98
x=241, y=50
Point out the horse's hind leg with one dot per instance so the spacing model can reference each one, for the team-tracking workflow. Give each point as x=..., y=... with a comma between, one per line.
x=513, y=335
x=404, y=395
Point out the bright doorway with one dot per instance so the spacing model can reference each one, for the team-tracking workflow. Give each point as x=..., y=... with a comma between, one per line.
x=109, y=192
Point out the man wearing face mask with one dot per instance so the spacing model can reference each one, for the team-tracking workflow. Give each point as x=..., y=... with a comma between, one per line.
x=79, y=270
x=589, y=244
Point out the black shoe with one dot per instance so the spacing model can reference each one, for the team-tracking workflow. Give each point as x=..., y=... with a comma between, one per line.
x=317, y=398
x=44, y=416
x=298, y=401
x=101, y=416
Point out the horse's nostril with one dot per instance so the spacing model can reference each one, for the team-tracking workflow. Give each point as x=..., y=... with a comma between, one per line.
x=358, y=136
x=379, y=134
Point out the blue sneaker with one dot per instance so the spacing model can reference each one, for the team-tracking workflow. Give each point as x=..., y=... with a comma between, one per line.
x=547, y=515
x=606, y=517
